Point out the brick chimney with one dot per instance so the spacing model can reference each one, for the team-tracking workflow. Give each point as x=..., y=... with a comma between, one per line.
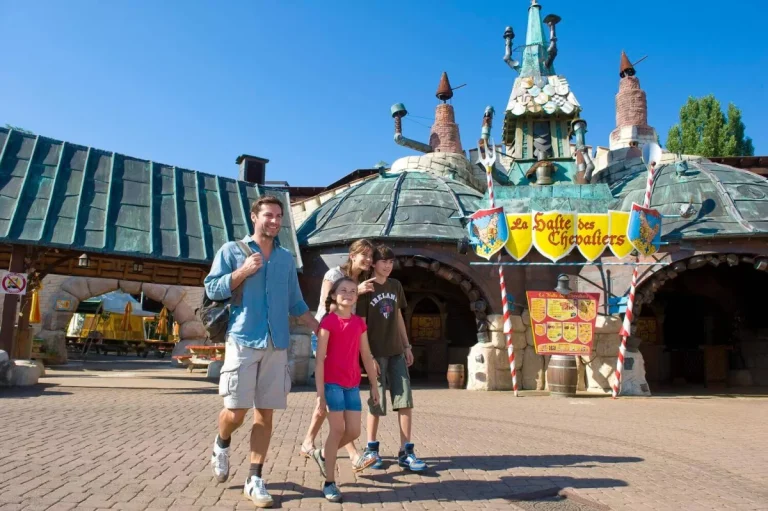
x=444, y=136
x=252, y=169
x=632, y=129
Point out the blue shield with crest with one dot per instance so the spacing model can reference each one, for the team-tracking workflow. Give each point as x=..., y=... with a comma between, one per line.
x=488, y=231
x=644, y=229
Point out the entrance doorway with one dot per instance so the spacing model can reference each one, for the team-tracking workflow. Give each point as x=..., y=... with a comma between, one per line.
x=707, y=328
x=442, y=327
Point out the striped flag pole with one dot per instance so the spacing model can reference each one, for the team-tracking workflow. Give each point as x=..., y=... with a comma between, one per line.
x=488, y=159
x=628, y=316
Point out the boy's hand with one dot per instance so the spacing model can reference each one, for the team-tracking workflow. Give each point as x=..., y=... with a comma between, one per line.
x=408, y=357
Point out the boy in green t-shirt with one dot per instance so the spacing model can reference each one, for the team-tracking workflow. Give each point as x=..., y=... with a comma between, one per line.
x=388, y=338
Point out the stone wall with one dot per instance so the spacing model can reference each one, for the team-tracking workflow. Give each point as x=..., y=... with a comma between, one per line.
x=488, y=362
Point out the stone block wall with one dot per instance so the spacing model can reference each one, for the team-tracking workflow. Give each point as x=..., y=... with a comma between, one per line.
x=488, y=361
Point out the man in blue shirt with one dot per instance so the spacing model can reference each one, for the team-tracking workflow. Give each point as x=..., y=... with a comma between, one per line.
x=255, y=371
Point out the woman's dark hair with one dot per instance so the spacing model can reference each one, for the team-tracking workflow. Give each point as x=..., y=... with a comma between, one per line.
x=329, y=300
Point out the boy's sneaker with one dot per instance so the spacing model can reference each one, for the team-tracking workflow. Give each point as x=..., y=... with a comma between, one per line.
x=372, y=450
x=364, y=461
x=332, y=493
x=256, y=491
x=220, y=463
x=407, y=459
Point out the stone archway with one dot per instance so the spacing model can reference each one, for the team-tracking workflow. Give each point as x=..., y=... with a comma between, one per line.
x=698, y=325
x=76, y=289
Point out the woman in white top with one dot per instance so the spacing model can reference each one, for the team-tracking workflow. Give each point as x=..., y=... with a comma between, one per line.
x=358, y=268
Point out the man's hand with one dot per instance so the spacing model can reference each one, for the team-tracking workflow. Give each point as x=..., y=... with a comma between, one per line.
x=366, y=286
x=252, y=264
x=408, y=357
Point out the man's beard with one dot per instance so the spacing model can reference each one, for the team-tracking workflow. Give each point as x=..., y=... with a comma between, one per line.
x=265, y=232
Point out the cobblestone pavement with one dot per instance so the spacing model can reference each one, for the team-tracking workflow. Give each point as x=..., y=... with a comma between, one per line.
x=90, y=442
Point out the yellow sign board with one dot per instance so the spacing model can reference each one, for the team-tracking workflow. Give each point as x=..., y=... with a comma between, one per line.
x=554, y=233
x=520, y=238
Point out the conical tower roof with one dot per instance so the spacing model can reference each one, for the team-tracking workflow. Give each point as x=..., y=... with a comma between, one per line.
x=444, y=92
x=625, y=66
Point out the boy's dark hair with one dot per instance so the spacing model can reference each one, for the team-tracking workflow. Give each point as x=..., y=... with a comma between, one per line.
x=382, y=253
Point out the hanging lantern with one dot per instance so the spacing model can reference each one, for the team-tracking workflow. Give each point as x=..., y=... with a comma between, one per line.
x=162, y=322
x=125, y=325
x=34, y=313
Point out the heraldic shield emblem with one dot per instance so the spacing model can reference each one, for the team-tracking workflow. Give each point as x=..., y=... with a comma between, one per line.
x=488, y=231
x=644, y=229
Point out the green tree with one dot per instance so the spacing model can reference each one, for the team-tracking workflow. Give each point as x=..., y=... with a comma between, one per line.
x=704, y=130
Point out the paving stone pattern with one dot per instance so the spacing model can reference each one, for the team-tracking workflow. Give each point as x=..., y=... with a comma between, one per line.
x=105, y=447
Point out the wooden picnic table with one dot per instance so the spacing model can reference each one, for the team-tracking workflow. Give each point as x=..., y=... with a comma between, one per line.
x=201, y=356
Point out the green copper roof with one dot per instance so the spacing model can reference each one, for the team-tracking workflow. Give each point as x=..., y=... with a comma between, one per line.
x=59, y=194
x=535, y=52
x=561, y=197
x=405, y=205
x=729, y=201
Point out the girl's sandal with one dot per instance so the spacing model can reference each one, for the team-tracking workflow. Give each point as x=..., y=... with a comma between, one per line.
x=306, y=453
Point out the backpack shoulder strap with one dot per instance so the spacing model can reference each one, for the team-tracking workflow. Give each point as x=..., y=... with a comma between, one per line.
x=237, y=294
x=246, y=250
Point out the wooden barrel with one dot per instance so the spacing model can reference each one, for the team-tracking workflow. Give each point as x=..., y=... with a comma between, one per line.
x=455, y=376
x=562, y=376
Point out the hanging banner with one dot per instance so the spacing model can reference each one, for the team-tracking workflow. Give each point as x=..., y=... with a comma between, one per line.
x=488, y=231
x=644, y=229
x=554, y=233
x=520, y=235
x=592, y=235
x=617, y=230
x=563, y=325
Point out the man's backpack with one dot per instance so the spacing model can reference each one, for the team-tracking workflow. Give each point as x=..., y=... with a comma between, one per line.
x=214, y=315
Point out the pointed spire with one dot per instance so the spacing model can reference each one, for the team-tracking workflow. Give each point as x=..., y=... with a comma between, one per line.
x=625, y=67
x=444, y=92
x=535, y=53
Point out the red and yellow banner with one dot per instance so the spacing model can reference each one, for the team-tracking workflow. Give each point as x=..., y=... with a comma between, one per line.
x=563, y=325
x=556, y=233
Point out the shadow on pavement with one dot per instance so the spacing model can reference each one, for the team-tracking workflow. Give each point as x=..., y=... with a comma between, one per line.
x=508, y=488
x=31, y=391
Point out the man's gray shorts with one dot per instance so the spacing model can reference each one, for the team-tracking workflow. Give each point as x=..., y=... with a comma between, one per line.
x=255, y=378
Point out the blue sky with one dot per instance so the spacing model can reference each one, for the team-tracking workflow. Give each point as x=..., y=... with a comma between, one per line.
x=309, y=85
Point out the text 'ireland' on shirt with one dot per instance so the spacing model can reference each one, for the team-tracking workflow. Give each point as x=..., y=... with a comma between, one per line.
x=379, y=309
x=269, y=296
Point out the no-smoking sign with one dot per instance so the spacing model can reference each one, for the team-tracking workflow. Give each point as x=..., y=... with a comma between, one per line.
x=13, y=283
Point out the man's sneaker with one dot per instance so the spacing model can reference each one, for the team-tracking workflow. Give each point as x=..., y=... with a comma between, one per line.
x=256, y=491
x=332, y=493
x=364, y=461
x=407, y=459
x=316, y=455
x=220, y=463
x=373, y=451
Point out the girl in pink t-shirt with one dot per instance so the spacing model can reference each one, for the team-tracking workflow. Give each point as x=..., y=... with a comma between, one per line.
x=341, y=341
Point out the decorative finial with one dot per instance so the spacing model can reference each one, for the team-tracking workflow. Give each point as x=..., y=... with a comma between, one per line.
x=625, y=67
x=444, y=92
